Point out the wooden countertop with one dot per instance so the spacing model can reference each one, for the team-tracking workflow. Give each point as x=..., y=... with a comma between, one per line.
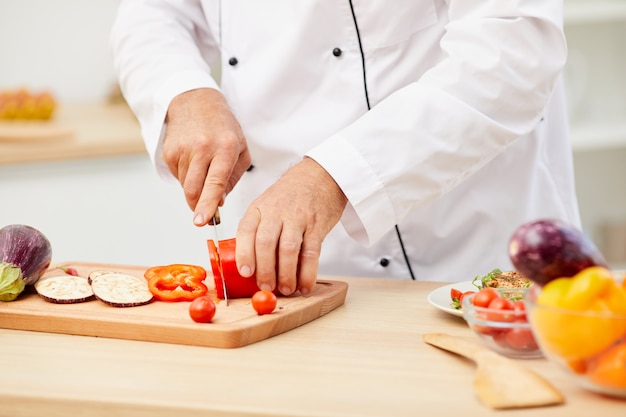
x=365, y=358
x=95, y=130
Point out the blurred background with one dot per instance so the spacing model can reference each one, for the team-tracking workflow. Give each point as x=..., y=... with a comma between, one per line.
x=104, y=202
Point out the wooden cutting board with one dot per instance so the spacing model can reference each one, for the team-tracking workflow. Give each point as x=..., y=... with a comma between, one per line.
x=233, y=326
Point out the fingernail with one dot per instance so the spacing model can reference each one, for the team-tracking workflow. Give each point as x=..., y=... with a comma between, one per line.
x=304, y=291
x=245, y=271
x=198, y=219
x=285, y=290
x=265, y=287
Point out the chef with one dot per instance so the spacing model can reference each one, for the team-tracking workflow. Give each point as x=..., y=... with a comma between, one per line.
x=403, y=139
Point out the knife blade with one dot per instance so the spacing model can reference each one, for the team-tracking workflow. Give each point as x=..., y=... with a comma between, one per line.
x=215, y=221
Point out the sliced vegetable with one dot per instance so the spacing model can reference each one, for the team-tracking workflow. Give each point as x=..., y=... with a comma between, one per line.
x=27, y=248
x=176, y=282
x=64, y=289
x=236, y=285
x=11, y=282
x=120, y=290
x=544, y=250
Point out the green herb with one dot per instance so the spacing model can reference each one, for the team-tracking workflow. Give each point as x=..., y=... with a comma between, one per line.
x=484, y=279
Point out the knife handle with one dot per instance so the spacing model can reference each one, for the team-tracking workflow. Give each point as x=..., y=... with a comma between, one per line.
x=215, y=220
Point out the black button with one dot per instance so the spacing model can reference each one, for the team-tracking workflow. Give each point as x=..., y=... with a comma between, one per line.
x=384, y=262
x=337, y=52
x=250, y=168
x=233, y=61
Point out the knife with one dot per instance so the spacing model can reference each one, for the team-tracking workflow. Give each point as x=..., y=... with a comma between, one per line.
x=214, y=222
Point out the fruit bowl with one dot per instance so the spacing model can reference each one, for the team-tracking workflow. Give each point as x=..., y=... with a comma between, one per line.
x=589, y=345
x=505, y=331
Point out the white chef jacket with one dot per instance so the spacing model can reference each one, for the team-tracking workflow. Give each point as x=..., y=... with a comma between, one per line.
x=445, y=119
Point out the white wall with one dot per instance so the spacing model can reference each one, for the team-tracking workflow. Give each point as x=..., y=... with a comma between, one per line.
x=60, y=45
x=111, y=210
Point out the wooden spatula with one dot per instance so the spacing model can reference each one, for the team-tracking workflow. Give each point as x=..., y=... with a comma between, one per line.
x=499, y=381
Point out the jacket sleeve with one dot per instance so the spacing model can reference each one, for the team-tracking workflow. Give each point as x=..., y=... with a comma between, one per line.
x=502, y=61
x=156, y=57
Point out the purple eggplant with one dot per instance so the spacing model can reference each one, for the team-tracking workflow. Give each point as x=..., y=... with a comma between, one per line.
x=547, y=249
x=27, y=248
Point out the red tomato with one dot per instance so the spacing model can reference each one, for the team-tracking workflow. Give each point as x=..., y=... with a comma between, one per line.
x=465, y=294
x=501, y=310
x=202, y=309
x=264, y=302
x=520, y=339
x=520, y=311
x=485, y=296
x=455, y=294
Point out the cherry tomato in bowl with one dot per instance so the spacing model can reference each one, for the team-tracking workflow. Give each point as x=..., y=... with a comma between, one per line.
x=499, y=318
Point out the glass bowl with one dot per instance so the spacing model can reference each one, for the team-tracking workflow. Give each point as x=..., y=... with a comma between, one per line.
x=589, y=345
x=507, y=332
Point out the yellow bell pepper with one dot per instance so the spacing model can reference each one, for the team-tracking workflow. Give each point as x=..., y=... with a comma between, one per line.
x=576, y=322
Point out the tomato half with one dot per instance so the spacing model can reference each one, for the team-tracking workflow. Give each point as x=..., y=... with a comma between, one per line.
x=202, y=309
x=264, y=302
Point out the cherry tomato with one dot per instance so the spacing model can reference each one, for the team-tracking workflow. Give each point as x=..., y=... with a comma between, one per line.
x=501, y=309
x=455, y=294
x=202, y=309
x=520, y=339
x=485, y=296
x=465, y=294
x=264, y=302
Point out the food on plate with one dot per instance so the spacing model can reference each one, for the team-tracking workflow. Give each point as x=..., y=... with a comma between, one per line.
x=564, y=326
x=457, y=297
x=27, y=249
x=264, y=302
x=119, y=289
x=176, y=282
x=499, y=279
x=546, y=249
x=236, y=285
x=202, y=309
x=64, y=289
x=496, y=278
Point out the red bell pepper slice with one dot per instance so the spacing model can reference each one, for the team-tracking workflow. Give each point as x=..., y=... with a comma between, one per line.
x=176, y=282
x=236, y=285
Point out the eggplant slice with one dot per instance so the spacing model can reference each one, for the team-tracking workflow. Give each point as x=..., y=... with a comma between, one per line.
x=64, y=289
x=120, y=290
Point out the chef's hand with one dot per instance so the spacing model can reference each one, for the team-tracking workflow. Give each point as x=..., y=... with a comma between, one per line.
x=205, y=149
x=280, y=236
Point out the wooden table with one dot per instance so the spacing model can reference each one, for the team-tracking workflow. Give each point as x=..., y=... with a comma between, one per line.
x=366, y=358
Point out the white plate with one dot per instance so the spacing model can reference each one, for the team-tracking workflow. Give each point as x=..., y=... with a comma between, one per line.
x=440, y=297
